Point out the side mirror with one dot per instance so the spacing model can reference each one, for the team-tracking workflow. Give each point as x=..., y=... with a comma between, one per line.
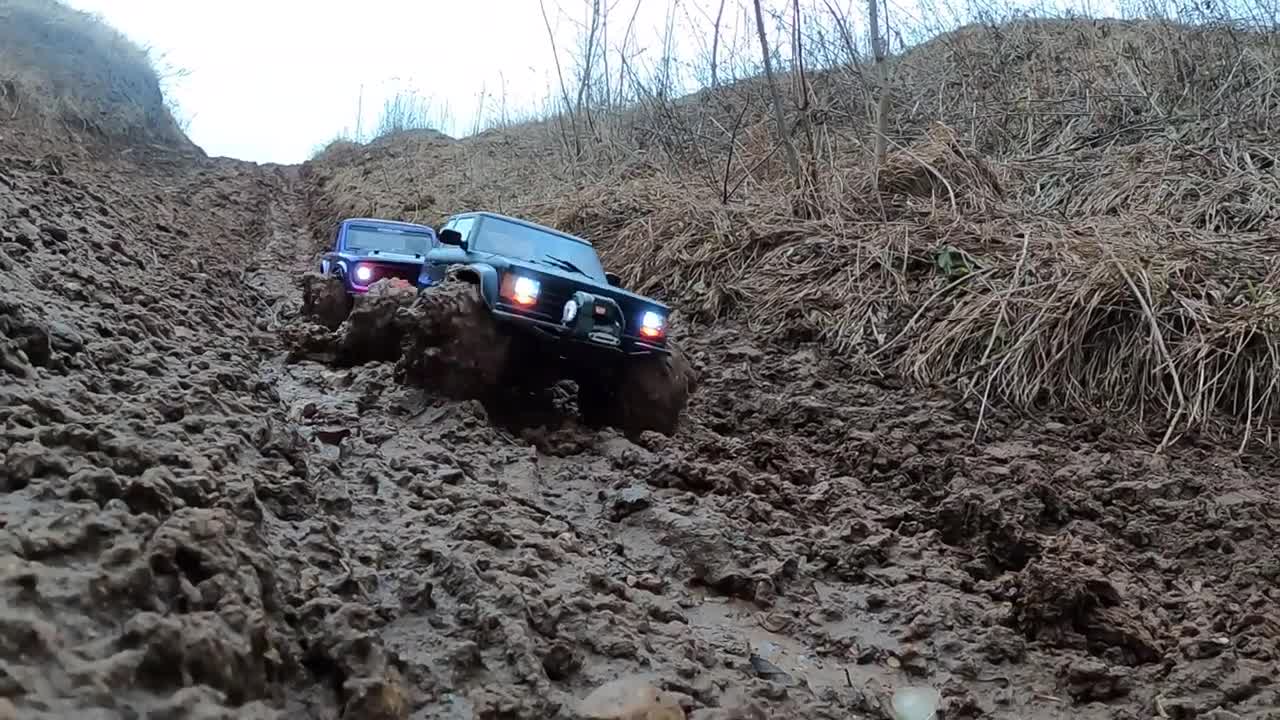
x=449, y=236
x=613, y=279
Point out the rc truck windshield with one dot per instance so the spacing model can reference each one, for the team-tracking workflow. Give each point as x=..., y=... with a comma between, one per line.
x=521, y=242
x=364, y=238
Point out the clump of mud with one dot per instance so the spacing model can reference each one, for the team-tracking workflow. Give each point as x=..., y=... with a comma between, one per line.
x=445, y=339
x=325, y=299
x=630, y=698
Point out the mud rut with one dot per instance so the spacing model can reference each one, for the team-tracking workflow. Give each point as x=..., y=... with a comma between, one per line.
x=192, y=527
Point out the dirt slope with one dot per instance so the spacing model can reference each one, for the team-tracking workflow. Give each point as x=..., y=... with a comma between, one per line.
x=191, y=525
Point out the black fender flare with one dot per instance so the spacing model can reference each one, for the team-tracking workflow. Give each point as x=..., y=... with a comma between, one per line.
x=482, y=275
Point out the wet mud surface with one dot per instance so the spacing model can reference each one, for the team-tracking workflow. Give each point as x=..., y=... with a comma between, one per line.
x=196, y=520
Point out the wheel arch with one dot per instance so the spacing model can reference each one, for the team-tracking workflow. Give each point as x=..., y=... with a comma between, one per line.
x=482, y=275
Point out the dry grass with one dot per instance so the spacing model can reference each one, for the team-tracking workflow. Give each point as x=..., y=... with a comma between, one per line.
x=63, y=71
x=1079, y=214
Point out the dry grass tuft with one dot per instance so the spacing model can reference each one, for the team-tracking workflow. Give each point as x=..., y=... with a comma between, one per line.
x=940, y=166
x=1077, y=214
x=1113, y=315
x=65, y=72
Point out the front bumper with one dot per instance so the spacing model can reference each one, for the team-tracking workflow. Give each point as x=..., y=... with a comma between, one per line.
x=561, y=335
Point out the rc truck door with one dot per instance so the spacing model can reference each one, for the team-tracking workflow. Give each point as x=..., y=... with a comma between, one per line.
x=325, y=266
x=434, y=272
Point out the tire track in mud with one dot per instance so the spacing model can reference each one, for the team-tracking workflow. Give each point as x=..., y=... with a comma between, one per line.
x=135, y=439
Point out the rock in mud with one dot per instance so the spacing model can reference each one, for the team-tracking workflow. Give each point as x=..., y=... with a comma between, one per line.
x=632, y=697
x=629, y=501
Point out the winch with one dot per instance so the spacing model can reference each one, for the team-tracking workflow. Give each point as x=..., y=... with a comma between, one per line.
x=593, y=317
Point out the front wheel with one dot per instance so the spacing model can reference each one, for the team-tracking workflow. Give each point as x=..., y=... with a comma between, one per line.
x=649, y=393
x=595, y=401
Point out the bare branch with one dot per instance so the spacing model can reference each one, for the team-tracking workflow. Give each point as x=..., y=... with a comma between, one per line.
x=793, y=160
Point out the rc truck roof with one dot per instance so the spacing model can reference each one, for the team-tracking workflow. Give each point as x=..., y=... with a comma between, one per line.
x=381, y=221
x=526, y=223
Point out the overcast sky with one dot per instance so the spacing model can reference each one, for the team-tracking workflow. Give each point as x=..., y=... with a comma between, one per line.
x=270, y=80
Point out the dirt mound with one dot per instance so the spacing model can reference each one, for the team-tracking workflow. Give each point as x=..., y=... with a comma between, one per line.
x=66, y=75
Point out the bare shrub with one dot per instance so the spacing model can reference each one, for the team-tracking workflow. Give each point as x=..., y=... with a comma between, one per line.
x=405, y=111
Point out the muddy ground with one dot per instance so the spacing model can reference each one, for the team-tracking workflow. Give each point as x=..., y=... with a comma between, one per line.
x=192, y=525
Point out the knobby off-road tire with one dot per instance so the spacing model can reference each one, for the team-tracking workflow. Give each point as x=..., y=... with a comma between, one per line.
x=649, y=393
x=325, y=298
x=452, y=345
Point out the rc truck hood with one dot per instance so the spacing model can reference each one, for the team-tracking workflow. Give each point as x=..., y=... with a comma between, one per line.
x=584, y=282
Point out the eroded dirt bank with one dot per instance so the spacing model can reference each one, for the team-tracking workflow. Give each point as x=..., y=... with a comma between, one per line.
x=191, y=526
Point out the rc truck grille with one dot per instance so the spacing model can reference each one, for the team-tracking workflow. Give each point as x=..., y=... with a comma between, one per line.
x=551, y=298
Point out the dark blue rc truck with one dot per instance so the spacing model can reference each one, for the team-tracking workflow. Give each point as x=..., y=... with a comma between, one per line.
x=528, y=306
x=560, y=315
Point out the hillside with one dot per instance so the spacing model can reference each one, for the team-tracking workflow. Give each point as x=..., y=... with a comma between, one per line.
x=64, y=75
x=1077, y=204
x=922, y=449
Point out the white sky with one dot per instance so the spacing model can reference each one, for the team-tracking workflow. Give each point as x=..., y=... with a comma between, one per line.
x=271, y=80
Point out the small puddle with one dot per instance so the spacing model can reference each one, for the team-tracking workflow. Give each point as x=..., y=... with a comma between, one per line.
x=732, y=623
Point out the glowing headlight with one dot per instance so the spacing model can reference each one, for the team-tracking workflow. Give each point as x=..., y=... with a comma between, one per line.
x=519, y=289
x=526, y=287
x=525, y=290
x=363, y=273
x=651, y=324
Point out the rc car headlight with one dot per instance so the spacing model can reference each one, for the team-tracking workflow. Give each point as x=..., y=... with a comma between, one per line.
x=651, y=324
x=364, y=273
x=527, y=288
x=520, y=289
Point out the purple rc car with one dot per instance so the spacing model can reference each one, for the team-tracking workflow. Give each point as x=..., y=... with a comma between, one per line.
x=366, y=250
